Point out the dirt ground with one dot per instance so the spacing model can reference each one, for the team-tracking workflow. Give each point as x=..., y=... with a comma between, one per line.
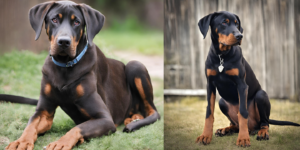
x=154, y=64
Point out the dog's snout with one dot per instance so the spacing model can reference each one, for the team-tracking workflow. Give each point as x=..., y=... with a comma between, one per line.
x=64, y=41
x=238, y=36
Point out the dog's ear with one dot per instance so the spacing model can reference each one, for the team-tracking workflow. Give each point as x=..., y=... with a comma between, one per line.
x=204, y=24
x=37, y=16
x=240, y=26
x=94, y=21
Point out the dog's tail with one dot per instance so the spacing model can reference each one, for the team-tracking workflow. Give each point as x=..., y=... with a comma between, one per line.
x=18, y=99
x=282, y=123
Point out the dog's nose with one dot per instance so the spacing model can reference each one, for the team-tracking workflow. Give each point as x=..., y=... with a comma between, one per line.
x=64, y=41
x=239, y=37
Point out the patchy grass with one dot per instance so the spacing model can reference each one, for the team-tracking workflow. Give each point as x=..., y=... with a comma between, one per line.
x=144, y=42
x=20, y=74
x=184, y=122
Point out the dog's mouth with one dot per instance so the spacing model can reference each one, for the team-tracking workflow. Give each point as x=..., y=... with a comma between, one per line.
x=236, y=43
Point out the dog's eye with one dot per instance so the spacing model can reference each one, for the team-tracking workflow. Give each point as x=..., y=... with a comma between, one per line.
x=76, y=23
x=54, y=20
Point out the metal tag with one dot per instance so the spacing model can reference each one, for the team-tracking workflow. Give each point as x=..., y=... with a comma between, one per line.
x=221, y=68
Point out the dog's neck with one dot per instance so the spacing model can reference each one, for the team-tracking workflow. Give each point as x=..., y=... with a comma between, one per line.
x=64, y=59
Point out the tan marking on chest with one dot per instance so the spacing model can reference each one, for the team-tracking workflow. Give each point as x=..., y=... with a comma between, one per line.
x=79, y=90
x=232, y=72
x=211, y=72
x=47, y=89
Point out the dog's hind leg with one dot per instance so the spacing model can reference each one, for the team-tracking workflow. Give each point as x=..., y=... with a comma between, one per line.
x=264, y=107
x=142, y=97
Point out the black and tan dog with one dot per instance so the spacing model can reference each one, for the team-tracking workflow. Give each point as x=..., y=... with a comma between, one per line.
x=243, y=101
x=98, y=93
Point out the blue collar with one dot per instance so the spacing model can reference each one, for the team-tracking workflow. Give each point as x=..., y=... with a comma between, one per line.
x=74, y=61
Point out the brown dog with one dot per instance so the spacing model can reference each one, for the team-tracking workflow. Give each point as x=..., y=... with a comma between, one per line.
x=95, y=91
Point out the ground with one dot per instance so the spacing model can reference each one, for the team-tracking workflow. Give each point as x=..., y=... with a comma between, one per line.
x=184, y=122
x=20, y=74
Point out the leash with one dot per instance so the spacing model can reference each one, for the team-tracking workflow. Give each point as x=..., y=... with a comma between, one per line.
x=221, y=67
x=74, y=61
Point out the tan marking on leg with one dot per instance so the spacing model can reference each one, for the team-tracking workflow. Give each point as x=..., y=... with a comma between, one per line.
x=139, y=86
x=47, y=89
x=69, y=140
x=211, y=72
x=207, y=133
x=79, y=90
x=243, y=137
x=85, y=113
x=60, y=16
x=38, y=125
x=127, y=121
x=263, y=132
x=232, y=72
x=227, y=130
x=116, y=125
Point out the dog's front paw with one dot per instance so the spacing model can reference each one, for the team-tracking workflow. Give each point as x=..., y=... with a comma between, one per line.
x=21, y=144
x=129, y=128
x=243, y=140
x=263, y=133
x=204, y=138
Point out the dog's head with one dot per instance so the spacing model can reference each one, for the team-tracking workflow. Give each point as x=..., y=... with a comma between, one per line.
x=226, y=29
x=65, y=23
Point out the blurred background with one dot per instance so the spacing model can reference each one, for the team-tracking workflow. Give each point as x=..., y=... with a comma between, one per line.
x=133, y=30
x=271, y=45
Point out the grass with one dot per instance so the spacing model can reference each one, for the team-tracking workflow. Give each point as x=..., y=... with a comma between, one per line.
x=146, y=42
x=20, y=74
x=184, y=122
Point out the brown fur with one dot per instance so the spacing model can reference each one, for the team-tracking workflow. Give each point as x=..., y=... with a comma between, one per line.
x=243, y=137
x=72, y=17
x=211, y=72
x=38, y=125
x=47, y=89
x=264, y=131
x=60, y=16
x=68, y=140
x=79, y=90
x=227, y=39
x=233, y=72
x=148, y=107
x=206, y=136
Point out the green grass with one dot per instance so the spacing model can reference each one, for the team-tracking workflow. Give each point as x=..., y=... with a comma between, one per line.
x=20, y=74
x=184, y=122
x=144, y=42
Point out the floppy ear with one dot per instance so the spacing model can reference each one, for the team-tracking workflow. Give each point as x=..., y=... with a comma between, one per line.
x=37, y=16
x=204, y=24
x=240, y=26
x=94, y=21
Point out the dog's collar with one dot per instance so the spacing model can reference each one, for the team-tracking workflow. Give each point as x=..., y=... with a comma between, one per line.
x=74, y=61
